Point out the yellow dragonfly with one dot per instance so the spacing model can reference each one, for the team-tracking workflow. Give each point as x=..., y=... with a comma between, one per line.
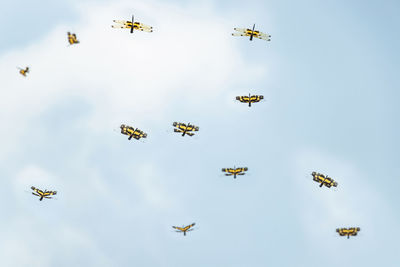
x=184, y=229
x=185, y=128
x=42, y=194
x=251, y=33
x=132, y=25
x=132, y=132
x=23, y=72
x=72, y=38
x=323, y=180
x=352, y=231
x=250, y=99
x=235, y=171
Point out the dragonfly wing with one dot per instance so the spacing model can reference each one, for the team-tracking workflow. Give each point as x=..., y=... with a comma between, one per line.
x=242, y=30
x=144, y=26
x=146, y=30
x=122, y=21
x=266, y=38
x=264, y=34
x=238, y=34
x=119, y=27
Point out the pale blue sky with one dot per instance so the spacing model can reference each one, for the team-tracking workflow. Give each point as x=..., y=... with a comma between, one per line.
x=329, y=81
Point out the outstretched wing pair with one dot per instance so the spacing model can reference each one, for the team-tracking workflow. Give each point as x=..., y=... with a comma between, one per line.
x=132, y=132
x=43, y=194
x=324, y=180
x=184, y=229
x=235, y=171
x=132, y=25
x=250, y=99
x=251, y=33
x=352, y=231
x=184, y=128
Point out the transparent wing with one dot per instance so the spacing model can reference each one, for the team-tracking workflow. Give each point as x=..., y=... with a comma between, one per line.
x=120, y=27
x=266, y=38
x=122, y=21
x=264, y=34
x=242, y=30
x=238, y=34
x=144, y=26
x=146, y=30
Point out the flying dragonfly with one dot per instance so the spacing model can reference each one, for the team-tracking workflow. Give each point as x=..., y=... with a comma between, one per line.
x=132, y=132
x=348, y=231
x=72, y=38
x=252, y=33
x=250, y=99
x=133, y=25
x=323, y=180
x=184, y=229
x=41, y=194
x=185, y=129
x=23, y=72
x=235, y=171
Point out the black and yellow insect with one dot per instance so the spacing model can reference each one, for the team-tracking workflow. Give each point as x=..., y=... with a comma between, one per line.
x=235, y=171
x=184, y=229
x=185, y=129
x=323, y=180
x=23, y=72
x=251, y=33
x=132, y=25
x=352, y=231
x=250, y=99
x=72, y=38
x=132, y=132
x=43, y=194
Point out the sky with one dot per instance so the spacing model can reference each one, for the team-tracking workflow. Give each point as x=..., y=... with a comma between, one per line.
x=329, y=81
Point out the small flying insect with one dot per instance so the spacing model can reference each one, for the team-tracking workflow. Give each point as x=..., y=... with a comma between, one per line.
x=184, y=229
x=251, y=33
x=348, y=231
x=72, y=38
x=41, y=194
x=323, y=180
x=132, y=25
x=185, y=129
x=132, y=132
x=23, y=72
x=235, y=171
x=250, y=99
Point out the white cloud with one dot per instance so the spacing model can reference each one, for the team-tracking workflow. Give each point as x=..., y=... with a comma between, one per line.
x=122, y=78
x=189, y=57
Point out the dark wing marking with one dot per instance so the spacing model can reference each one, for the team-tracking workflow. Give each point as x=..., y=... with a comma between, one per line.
x=40, y=192
x=243, y=99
